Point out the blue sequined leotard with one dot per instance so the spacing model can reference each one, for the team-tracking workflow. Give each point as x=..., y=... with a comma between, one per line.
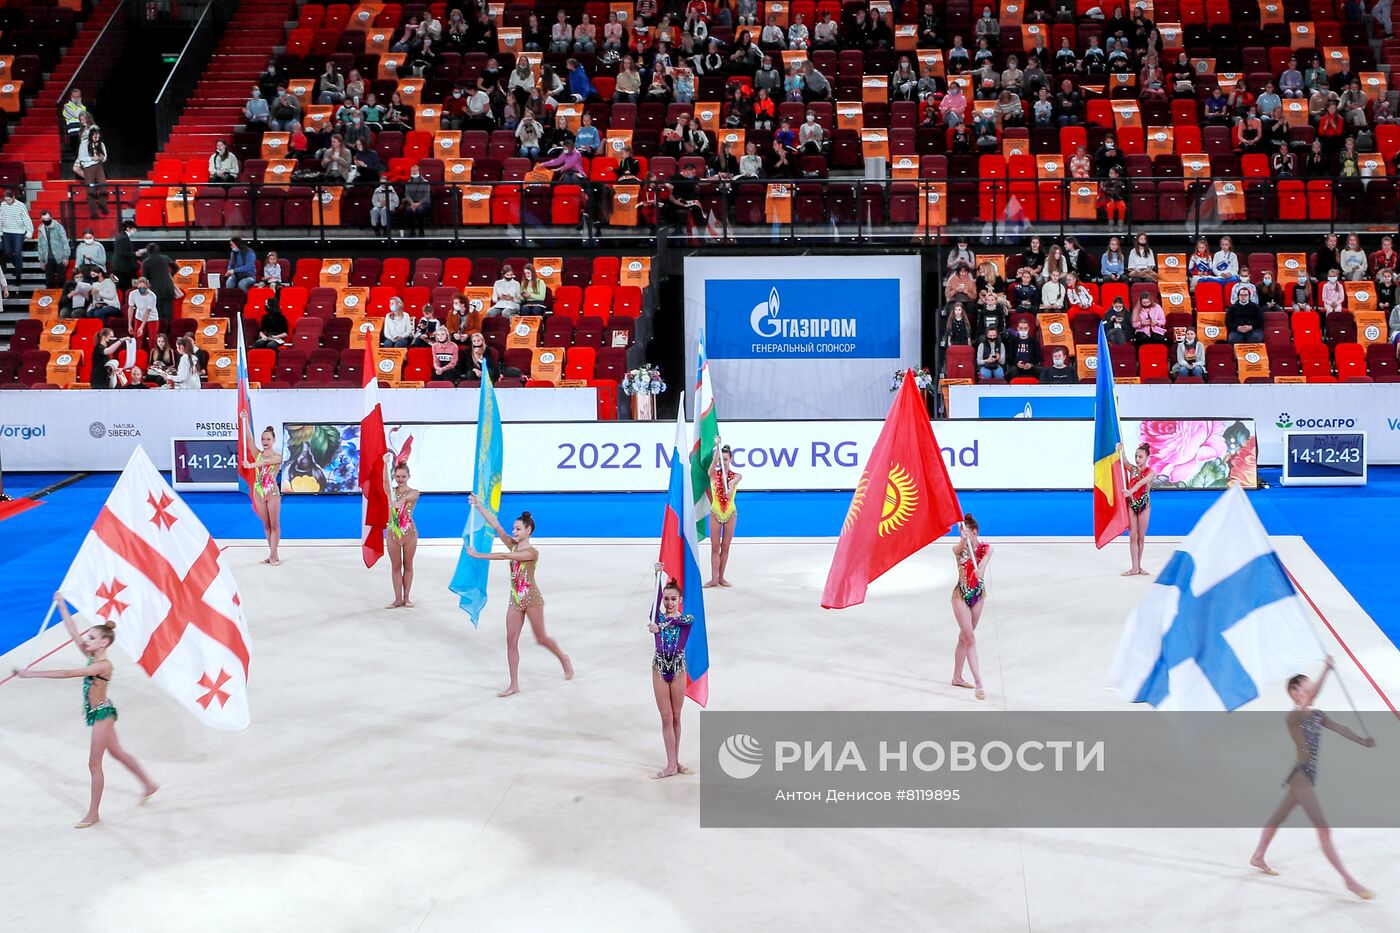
x=670, y=645
x=103, y=710
x=1311, y=723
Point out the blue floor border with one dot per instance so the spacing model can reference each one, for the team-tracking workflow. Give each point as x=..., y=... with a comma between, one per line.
x=1354, y=531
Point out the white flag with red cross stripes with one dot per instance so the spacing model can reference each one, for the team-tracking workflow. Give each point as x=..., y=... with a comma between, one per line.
x=150, y=567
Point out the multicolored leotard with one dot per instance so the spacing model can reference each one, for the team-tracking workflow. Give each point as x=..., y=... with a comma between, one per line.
x=1139, y=500
x=722, y=496
x=970, y=586
x=103, y=710
x=400, y=516
x=1311, y=724
x=523, y=591
x=266, y=482
x=670, y=645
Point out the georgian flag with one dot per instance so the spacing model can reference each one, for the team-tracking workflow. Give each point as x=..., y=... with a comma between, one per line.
x=150, y=567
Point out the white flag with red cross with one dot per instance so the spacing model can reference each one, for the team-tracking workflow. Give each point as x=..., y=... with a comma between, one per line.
x=150, y=567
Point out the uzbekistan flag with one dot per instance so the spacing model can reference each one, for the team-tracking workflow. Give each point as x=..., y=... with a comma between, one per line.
x=702, y=450
x=247, y=450
x=374, y=485
x=679, y=556
x=1110, y=483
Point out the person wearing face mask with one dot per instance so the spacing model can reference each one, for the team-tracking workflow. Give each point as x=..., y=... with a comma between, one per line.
x=1024, y=351
x=142, y=318
x=398, y=326
x=417, y=202
x=427, y=328
x=1333, y=293
x=505, y=294
x=991, y=356
x=357, y=132
x=255, y=112
x=1270, y=295
x=1301, y=295
x=223, y=165
x=810, y=136
x=15, y=227
x=1059, y=372
x=768, y=78
x=90, y=252
x=382, y=205
x=481, y=358
x=54, y=250
x=1115, y=322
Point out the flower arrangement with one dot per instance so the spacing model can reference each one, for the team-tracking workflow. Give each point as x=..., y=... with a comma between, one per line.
x=923, y=380
x=644, y=380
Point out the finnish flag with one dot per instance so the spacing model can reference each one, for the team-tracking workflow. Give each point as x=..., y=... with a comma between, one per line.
x=1222, y=622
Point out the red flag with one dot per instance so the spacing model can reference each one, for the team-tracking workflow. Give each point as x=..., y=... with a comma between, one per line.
x=904, y=501
x=150, y=567
x=373, y=447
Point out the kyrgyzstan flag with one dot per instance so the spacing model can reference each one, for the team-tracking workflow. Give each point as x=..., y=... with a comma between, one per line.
x=904, y=500
x=149, y=567
x=374, y=482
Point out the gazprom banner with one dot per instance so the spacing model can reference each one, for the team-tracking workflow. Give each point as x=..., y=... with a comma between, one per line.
x=803, y=336
x=1275, y=408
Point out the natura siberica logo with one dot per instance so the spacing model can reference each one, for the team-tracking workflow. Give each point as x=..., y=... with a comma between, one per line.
x=740, y=756
x=97, y=430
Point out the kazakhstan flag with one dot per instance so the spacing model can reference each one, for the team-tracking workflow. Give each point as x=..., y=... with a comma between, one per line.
x=469, y=580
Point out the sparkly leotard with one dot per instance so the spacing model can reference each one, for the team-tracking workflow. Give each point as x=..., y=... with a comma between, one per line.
x=970, y=586
x=1311, y=724
x=266, y=482
x=103, y=710
x=523, y=591
x=670, y=645
x=722, y=496
x=400, y=516
x=1138, y=501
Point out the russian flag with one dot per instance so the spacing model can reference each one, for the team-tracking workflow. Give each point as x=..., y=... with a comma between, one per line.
x=680, y=558
x=247, y=449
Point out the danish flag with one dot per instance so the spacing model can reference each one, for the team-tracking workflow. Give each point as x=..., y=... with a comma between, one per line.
x=149, y=566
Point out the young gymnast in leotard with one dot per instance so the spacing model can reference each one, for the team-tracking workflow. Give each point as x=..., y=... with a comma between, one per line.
x=969, y=595
x=526, y=602
x=98, y=710
x=724, y=515
x=671, y=628
x=401, y=536
x=1305, y=726
x=1139, y=507
x=267, y=495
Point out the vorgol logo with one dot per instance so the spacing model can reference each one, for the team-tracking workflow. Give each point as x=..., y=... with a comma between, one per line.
x=740, y=756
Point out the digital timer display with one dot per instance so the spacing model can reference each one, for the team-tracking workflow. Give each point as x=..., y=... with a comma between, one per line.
x=205, y=463
x=1324, y=459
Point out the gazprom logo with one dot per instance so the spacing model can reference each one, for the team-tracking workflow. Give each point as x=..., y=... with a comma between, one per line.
x=766, y=322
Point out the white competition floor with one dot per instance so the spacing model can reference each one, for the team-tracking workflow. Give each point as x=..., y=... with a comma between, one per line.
x=383, y=786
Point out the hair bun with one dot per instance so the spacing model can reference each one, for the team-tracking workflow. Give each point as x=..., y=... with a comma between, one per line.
x=967, y=517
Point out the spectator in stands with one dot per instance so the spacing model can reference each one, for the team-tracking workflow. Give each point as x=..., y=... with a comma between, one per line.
x=556, y=136
x=1315, y=163
x=1033, y=258
x=904, y=83
x=1249, y=131
x=750, y=163
x=332, y=85
x=481, y=359
x=411, y=37
x=1149, y=320
x=1066, y=59
x=1025, y=293
x=992, y=312
x=534, y=293
x=1142, y=261
x=989, y=278
x=798, y=36
x=223, y=164
x=1243, y=291
x=478, y=111
x=1244, y=322
x=1055, y=261
x=961, y=286
x=1225, y=264
x=426, y=330
x=1009, y=109
x=1109, y=156
x=709, y=63
x=1383, y=112
x=1283, y=164
x=54, y=250
x=772, y=36
x=1034, y=78
x=161, y=364
x=357, y=132
x=1270, y=295
x=73, y=111
x=561, y=35
x=1058, y=372
x=1349, y=159
x=271, y=272
x=1113, y=198
x=188, y=367
x=102, y=298
x=628, y=167
x=614, y=36
x=1290, y=83
x=1386, y=256
x=1115, y=322
x=765, y=111
x=1331, y=129
x=1217, y=108
x=398, y=326
x=123, y=255
x=445, y=356
x=274, y=330
x=156, y=268
x=811, y=138
x=780, y=164
x=580, y=88
x=957, y=329
x=991, y=356
x=1327, y=256
x=522, y=82
x=1069, y=105
x=284, y=110
x=336, y=161
x=255, y=111
x=1023, y=352
x=628, y=88
x=1385, y=296
x=818, y=88
x=458, y=37
x=796, y=82
x=953, y=107
x=1113, y=263
x=1354, y=260
x=383, y=203
x=1301, y=297
x=961, y=255
x=1332, y=294
x=1078, y=298
x=1052, y=294
x=364, y=164
x=90, y=252
x=90, y=166
x=529, y=133
x=422, y=60
x=105, y=346
x=1190, y=359
x=824, y=33
x=505, y=294
x=569, y=168
x=683, y=203
x=242, y=264
x=417, y=202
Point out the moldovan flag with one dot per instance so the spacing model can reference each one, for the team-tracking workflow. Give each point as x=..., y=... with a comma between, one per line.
x=702, y=450
x=247, y=450
x=1110, y=483
x=151, y=568
x=904, y=501
x=1221, y=624
x=374, y=488
x=680, y=556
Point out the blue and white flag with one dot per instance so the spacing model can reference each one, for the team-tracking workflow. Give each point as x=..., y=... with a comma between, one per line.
x=469, y=579
x=1222, y=622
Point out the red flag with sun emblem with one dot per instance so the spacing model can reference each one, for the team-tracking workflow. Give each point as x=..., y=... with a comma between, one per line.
x=150, y=567
x=904, y=500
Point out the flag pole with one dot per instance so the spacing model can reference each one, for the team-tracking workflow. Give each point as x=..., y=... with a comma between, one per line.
x=53, y=607
x=1312, y=627
x=656, y=601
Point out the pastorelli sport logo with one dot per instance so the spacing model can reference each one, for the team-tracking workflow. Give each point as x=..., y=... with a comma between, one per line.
x=741, y=756
x=1286, y=422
